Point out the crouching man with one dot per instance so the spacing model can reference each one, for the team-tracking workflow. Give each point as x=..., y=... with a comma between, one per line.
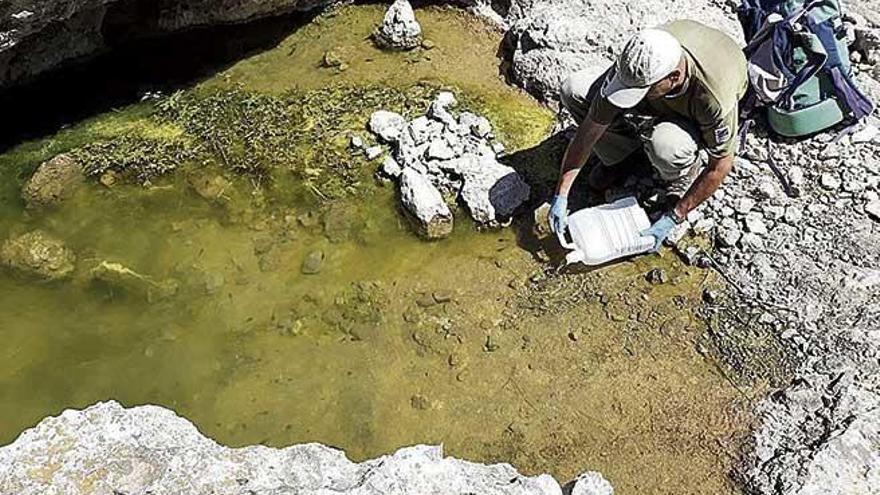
x=674, y=93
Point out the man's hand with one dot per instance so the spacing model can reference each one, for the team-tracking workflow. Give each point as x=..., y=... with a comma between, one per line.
x=660, y=230
x=559, y=214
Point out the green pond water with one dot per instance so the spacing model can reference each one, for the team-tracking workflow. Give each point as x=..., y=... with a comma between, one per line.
x=396, y=341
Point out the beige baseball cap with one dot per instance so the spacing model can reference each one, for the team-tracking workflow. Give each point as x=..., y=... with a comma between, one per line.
x=647, y=57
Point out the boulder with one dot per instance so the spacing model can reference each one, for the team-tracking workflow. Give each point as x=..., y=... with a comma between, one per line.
x=53, y=182
x=107, y=448
x=399, y=29
x=424, y=204
x=387, y=125
x=38, y=254
x=492, y=191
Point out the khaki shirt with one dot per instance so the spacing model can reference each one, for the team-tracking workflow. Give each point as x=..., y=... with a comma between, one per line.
x=717, y=80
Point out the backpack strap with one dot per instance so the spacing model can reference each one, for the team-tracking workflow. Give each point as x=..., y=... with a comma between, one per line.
x=816, y=58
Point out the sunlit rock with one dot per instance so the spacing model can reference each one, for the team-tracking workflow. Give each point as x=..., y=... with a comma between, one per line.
x=149, y=449
x=399, y=29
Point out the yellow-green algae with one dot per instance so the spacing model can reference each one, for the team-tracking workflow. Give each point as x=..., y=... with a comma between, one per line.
x=396, y=341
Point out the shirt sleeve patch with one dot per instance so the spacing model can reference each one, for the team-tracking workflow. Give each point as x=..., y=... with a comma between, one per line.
x=722, y=134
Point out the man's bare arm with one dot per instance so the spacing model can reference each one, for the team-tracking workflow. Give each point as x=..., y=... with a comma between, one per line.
x=705, y=185
x=578, y=151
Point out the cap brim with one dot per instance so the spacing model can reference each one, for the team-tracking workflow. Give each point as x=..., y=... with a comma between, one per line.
x=622, y=96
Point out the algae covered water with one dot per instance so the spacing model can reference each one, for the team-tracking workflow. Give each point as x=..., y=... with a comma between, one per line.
x=304, y=309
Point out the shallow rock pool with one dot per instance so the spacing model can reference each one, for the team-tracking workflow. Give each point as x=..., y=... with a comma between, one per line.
x=303, y=307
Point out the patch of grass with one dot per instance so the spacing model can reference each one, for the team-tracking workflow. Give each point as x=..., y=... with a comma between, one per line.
x=135, y=156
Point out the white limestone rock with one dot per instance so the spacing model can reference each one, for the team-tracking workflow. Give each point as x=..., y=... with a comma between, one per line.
x=399, y=29
x=493, y=191
x=387, y=125
x=390, y=168
x=439, y=109
x=592, y=483
x=424, y=204
x=149, y=449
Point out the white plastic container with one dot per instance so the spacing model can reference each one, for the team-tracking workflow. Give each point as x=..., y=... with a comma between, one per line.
x=607, y=232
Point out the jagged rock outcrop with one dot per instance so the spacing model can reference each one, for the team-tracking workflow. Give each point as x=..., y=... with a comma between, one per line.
x=107, y=448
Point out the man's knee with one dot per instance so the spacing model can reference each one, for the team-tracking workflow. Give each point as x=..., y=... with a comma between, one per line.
x=671, y=148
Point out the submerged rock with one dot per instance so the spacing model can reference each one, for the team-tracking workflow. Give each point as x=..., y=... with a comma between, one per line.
x=38, y=254
x=313, y=263
x=53, y=182
x=208, y=186
x=118, y=276
x=425, y=205
x=150, y=449
x=399, y=29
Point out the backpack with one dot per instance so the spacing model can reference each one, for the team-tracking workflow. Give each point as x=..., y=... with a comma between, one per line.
x=798, y=65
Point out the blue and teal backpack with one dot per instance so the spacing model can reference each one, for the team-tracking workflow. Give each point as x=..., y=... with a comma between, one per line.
x=799, y=68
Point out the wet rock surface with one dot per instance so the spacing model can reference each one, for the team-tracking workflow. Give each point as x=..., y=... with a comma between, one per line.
x=53, y=182
x=156, y=451
x=38, y=254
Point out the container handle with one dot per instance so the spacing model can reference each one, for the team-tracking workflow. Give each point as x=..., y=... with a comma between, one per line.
x=564, y=243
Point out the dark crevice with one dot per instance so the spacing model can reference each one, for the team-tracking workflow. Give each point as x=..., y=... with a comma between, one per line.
x=135, y=63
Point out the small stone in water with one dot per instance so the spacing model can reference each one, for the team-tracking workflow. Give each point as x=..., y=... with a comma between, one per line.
x=313, y=263
x=442, y=297
x=331, y=59
x=419, y=402
x=373, y=152
x=657, y=276
x=426, y=301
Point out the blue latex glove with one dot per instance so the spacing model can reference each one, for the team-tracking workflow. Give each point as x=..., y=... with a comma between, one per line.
x=559, y=214
x=660, y=230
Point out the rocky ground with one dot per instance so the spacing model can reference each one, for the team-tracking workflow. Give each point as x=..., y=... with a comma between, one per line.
x=155, y=451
